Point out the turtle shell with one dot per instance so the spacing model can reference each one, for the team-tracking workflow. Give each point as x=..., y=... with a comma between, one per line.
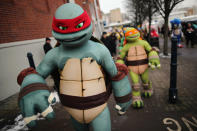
x=137, y=53
x=82, y=78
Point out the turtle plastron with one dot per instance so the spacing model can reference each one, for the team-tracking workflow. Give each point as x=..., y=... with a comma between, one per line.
x=137, y=59
x=82, y=81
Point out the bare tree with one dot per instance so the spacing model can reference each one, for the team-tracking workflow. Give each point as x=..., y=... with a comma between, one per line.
x=137, y=10
x=141, y=10
x=165, y=7
x=152, y=9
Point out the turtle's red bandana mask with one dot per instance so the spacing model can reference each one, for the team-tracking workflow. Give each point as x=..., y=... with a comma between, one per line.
x=65, y=26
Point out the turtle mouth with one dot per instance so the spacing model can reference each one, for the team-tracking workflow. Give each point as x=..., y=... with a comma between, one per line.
x=133, y=36
x=72, y=40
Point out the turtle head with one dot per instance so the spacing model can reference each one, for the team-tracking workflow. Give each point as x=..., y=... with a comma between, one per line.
x=71, y=25
x=132, y=34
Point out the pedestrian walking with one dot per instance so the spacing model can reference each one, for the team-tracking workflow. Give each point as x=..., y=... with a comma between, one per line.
x=113, y=43
x=47, y=46
x=107, y=42
x=154, y=38
x=55, y=74
x=190, y=33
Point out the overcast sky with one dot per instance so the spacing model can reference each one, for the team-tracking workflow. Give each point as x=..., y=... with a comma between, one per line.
x=107, y=5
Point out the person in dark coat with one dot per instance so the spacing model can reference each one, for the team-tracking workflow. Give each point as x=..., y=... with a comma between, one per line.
x=190, y=34
x=107, y=42
x=47, y=46
x=113, y=42
x=104, y=37
x=55, y=74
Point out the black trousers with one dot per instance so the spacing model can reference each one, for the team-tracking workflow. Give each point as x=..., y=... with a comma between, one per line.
x=189, y=40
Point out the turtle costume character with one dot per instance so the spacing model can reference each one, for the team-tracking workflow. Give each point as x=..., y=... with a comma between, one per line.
x=138, y=55
x=85, y=66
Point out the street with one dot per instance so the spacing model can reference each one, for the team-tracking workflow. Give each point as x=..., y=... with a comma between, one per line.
x=45, y=35
x=157, y=114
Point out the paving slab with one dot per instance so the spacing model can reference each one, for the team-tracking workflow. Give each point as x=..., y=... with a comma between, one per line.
x=157, y=114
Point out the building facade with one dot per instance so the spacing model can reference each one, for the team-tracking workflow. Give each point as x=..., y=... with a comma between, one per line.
x=184, y=11
x=115, y=19
x=24, y=25
x=115, y=16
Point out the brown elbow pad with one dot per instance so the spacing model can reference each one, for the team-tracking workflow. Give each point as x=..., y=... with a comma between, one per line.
x=122, y=72
x=24, y=73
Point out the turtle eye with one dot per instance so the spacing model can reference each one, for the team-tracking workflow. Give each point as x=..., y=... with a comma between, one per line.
x=79, y=25
x=62, y=28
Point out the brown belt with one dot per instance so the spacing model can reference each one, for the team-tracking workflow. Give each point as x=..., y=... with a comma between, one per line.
x=137, y=62
x=84, y=103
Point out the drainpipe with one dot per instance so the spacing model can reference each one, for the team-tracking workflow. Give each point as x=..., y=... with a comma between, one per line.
x=97, y=18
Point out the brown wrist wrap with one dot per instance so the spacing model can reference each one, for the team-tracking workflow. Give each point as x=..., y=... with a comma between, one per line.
x=32, y=87
x=155, y=49
x=123, y=99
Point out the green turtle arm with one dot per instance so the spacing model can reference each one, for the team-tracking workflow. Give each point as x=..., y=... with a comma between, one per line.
x=107, y=62
x=120, y=87
x=34, y=94
x=146, y=46
x=44, y=69
x=123, y=54
x=152, y=55
x=48, y=64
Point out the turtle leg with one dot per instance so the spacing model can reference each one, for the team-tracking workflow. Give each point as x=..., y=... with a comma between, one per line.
x=147, y=84
x=79, y=126
x=102, y=122
x=136, y=95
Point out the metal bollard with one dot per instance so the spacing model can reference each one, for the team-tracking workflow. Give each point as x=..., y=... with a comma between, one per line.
x=31, y=60
x=173, y=92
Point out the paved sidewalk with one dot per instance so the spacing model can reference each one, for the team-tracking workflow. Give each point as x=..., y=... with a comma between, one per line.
x=157, y=113
x=8, y=110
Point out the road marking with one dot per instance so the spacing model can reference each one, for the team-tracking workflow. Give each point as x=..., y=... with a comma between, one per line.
x=188, y=123
x=169, y=121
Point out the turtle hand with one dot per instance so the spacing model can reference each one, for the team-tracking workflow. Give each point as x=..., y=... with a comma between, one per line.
x=34, y=103
x=122, y=107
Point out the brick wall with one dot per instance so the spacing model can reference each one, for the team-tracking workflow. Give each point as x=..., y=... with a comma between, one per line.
x=31, y=19
x=85, y=5
x=26, y=19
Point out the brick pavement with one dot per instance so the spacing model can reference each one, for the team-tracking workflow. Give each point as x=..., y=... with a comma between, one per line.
x=156, y=109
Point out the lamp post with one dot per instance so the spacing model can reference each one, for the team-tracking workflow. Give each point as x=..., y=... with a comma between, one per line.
x=173, y=92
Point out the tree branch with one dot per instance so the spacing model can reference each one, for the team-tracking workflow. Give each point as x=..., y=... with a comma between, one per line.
x=159, y=5
x=174, y=4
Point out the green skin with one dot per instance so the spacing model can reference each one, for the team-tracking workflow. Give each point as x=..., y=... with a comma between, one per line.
x=133, y=40
x=121, y=44
x=36, y=101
